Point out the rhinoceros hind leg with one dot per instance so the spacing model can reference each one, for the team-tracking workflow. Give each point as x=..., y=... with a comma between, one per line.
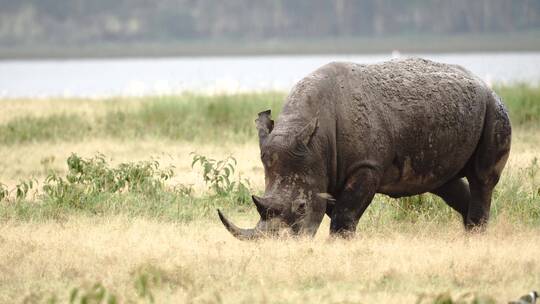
x=487, y=163
x=482, y=181
x=457, y=195
x=478, y=213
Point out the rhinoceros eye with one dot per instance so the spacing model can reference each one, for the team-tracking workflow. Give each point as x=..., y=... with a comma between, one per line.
x=264, y=158
x=269, y=159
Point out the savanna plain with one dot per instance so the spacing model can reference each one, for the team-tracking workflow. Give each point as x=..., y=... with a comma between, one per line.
x=114, y=201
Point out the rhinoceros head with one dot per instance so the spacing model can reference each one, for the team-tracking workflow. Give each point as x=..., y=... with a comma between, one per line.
x=294, y=178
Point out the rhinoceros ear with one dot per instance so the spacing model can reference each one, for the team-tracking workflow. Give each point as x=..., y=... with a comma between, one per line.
x=265, y=125
x=306, y=134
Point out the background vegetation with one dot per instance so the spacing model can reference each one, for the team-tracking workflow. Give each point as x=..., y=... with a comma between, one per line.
x=192, y=118
x=59, y=28
x=106, y=202
x=93, y=185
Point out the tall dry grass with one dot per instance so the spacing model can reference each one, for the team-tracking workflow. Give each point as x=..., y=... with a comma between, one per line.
x=201, y=263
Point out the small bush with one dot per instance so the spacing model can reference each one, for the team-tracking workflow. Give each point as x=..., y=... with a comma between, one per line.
x=218, y=175
x=92, y=185
x=22, y=189
x=90, y=177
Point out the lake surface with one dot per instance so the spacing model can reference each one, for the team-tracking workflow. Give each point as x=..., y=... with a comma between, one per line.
x=151, y=76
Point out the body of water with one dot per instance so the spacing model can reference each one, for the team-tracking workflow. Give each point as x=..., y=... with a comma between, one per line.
x=155, y=76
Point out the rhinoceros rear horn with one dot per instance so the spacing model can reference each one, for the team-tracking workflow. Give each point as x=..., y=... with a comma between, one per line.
x=239, y=233
x=261, y=208
x=265, y=125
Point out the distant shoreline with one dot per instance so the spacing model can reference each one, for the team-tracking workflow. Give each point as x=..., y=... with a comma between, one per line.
x=163, y=76
x=463, y=43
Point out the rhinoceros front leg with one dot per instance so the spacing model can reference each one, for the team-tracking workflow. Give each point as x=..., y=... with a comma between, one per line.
x=353, y=201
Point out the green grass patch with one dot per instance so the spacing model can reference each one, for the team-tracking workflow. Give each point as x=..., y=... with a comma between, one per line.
x=192, y=117
x=523, y=103
x=57, y=127
x=195, y=118
x=515, y=199
x=92, y=187
x=198, y=118
x=165, y=206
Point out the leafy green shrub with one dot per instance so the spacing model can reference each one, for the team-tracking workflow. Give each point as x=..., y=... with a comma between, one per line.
x=92, y=185
x=93, y=176
x=22, y=189
x=218, y=175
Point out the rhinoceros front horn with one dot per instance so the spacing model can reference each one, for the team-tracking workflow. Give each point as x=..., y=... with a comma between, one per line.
x=239, y=233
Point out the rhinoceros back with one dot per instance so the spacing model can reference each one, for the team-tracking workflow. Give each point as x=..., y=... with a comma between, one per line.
x=422, y=120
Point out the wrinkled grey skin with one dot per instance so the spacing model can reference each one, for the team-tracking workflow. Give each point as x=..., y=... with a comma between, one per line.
x=401, y=128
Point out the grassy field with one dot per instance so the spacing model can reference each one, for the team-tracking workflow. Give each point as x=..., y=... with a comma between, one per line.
x=100, y=202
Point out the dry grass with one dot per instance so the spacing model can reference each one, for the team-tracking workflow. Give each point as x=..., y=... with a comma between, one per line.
x=12, y=109
x=201, y=263
x=198, y=261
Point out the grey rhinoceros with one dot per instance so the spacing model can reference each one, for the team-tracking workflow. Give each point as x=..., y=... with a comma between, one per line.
x=403, y=127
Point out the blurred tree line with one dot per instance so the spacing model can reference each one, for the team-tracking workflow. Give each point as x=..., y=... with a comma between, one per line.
x=87, y=21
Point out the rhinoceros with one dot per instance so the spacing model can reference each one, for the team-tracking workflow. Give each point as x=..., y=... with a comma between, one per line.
x=403, y=127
